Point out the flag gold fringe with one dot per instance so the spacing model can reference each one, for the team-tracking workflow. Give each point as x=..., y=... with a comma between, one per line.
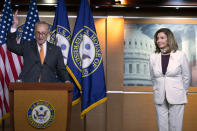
x=74, y=78
x=4, y=116
x=76, y=101
x=92, y=106
x=77, y=83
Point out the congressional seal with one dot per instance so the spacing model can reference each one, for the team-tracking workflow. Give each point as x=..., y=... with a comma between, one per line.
x=40, y=114
x=86, y=52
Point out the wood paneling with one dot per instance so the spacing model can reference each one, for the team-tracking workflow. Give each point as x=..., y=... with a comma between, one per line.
x=115, y=40
x=190, y=116
x=139, y=113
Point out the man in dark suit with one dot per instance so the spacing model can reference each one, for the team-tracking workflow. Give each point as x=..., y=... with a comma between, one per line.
x=42, y=60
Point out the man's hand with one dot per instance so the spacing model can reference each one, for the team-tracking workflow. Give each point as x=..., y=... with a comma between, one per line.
x=67, y=81
x=15, y=20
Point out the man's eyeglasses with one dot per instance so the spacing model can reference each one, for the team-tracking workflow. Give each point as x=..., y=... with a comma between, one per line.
x=41, y=33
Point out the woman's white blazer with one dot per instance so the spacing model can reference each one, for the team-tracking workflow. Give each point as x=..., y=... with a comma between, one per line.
x=174, y=84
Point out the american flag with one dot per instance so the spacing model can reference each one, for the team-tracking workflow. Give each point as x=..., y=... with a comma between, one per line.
x=32, y=18
x=10, y=63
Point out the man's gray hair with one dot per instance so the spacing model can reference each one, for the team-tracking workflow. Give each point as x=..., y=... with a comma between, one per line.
x=43, y=23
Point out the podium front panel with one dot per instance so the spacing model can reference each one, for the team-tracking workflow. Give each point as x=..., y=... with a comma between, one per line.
x=23, y=99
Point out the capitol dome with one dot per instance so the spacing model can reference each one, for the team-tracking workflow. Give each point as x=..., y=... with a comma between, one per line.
x=137, y=48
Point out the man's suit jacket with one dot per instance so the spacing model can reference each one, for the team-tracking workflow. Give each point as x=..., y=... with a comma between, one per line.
x=174, y=84
x=32, y=68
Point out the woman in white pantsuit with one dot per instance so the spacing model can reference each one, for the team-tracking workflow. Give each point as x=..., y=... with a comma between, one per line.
x=170, y=74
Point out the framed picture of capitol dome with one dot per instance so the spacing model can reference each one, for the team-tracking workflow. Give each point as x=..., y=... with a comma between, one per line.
x=139, y=44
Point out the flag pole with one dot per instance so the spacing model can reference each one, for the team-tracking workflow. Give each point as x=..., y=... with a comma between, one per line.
x=106, y=113
x=3, y=125
x=84, y=123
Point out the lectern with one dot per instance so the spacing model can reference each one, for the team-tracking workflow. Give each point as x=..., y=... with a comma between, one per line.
x=40, y=106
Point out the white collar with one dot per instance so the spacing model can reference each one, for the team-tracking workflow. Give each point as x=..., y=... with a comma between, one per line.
x=43, y=44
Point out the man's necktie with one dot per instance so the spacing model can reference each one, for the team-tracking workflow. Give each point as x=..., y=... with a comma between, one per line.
x=42, y=54
x=41, y=57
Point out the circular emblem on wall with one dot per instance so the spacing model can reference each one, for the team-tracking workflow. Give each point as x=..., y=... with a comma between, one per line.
x=40, y=114
x=86, y=52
